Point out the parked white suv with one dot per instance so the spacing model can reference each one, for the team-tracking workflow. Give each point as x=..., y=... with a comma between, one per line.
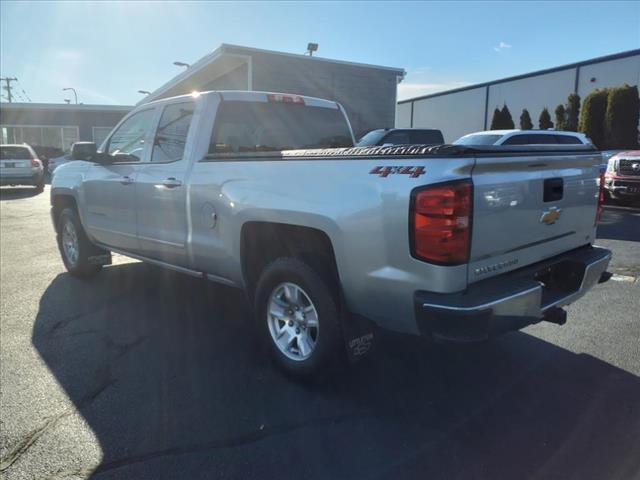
x=524, y=137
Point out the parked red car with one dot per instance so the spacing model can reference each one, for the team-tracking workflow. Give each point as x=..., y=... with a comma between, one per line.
x=622, y=178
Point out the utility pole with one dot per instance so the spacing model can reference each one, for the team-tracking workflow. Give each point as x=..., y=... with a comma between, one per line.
x=8, y=81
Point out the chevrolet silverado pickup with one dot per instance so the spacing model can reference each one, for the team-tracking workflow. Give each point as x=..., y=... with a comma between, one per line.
x=267, y=193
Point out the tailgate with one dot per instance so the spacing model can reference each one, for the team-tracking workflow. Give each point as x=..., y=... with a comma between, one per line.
x=15, y=167
x=530, y=207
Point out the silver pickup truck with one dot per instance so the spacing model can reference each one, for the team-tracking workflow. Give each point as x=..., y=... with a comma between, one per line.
x=265, y=192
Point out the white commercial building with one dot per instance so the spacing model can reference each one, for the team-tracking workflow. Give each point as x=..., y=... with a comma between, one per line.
x=469, y=109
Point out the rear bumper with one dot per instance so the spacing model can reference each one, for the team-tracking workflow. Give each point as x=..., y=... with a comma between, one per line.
x=628, y=186
x=26, y=179
x=513, y=300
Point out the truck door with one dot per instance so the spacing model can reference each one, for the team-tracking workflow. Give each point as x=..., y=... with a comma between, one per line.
x=161, y=187
x=110, y=200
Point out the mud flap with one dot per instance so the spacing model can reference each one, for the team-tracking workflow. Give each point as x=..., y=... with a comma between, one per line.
x=100, y=259
x=359, y=337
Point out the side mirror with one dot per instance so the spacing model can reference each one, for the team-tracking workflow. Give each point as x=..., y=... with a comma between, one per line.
x=83, y=150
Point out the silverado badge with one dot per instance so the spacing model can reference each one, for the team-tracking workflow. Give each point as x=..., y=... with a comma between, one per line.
x=550, y=216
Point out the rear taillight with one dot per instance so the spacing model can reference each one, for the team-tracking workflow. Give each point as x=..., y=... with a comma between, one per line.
x=35, y=163
x=600, y=202
x=440, y=222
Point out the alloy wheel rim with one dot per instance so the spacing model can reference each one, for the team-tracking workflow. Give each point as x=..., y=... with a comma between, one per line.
x=293, y=321
x=70, y=242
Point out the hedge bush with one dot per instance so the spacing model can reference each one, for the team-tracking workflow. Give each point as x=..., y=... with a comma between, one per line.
x=592, y=117
x=621, y=118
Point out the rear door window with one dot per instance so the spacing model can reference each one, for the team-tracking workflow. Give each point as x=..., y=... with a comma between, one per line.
x=426, y=137
x=535, y=139
x=14, y=153
x=171, y=135
x=397, y=138
x=243, y=127
x=567, y=140
x=517, y=140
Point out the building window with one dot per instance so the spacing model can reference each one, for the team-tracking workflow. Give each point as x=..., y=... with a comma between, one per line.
x=40, y=135
x=100, y=134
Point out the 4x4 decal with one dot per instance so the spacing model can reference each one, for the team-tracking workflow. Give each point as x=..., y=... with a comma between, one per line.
x=413, y=172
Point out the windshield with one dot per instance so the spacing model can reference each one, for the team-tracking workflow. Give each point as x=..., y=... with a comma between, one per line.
x=243, y=126
x=478, y=140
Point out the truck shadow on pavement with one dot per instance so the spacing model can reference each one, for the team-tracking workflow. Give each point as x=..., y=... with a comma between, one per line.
x=616, y=223
x=167, y=373
x=16, y=193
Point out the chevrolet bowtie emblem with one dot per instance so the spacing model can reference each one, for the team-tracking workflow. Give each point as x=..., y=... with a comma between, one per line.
x=551, y=215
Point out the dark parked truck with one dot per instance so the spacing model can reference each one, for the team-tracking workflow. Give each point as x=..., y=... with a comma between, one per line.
x=265, y=192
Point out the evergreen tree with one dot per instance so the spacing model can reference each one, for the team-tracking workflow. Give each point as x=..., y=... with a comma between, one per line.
x=525, y=120
x=560, y=117
x=544, y=121
x=496, y=121
x=572, y=112
x=507, y=121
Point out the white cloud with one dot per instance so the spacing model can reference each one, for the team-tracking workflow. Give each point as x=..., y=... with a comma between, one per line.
x=502, y=46
x=416, y=89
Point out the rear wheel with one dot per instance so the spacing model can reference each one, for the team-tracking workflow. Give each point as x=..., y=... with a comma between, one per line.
x=298, y=317
x=40, y=186
x=75, y=247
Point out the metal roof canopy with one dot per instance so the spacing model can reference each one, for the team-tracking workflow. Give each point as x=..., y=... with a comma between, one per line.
x=228, y=57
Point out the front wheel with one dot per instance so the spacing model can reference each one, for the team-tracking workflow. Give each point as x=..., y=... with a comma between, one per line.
x=298, y=317
x=75, y=247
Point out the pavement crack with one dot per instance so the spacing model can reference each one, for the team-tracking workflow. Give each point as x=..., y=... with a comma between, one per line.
x=25, y=443
x=21, y=447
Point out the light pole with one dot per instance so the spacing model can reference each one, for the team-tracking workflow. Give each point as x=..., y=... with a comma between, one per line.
x=74, y=92
x=181, y=64
x=144, y=92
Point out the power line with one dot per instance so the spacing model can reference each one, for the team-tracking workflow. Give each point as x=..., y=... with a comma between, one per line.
x=24, y=94
x=8, y=87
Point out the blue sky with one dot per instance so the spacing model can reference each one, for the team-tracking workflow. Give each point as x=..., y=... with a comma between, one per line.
x=108, y=51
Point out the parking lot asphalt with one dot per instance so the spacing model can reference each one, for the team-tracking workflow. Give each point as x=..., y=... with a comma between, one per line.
x=144, y=373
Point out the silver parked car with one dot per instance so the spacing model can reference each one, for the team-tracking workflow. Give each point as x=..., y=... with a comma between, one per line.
x=20, y=165
x=524, y=137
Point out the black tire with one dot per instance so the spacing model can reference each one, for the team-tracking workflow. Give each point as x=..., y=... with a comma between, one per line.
x=329, y=350
x=81, y=267
x=40, y=186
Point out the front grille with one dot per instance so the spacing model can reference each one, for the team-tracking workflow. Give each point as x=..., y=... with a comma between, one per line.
x=629, y=167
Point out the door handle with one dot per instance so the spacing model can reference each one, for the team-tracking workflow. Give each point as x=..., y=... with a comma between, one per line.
x=126, y=180
x=171, y=182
